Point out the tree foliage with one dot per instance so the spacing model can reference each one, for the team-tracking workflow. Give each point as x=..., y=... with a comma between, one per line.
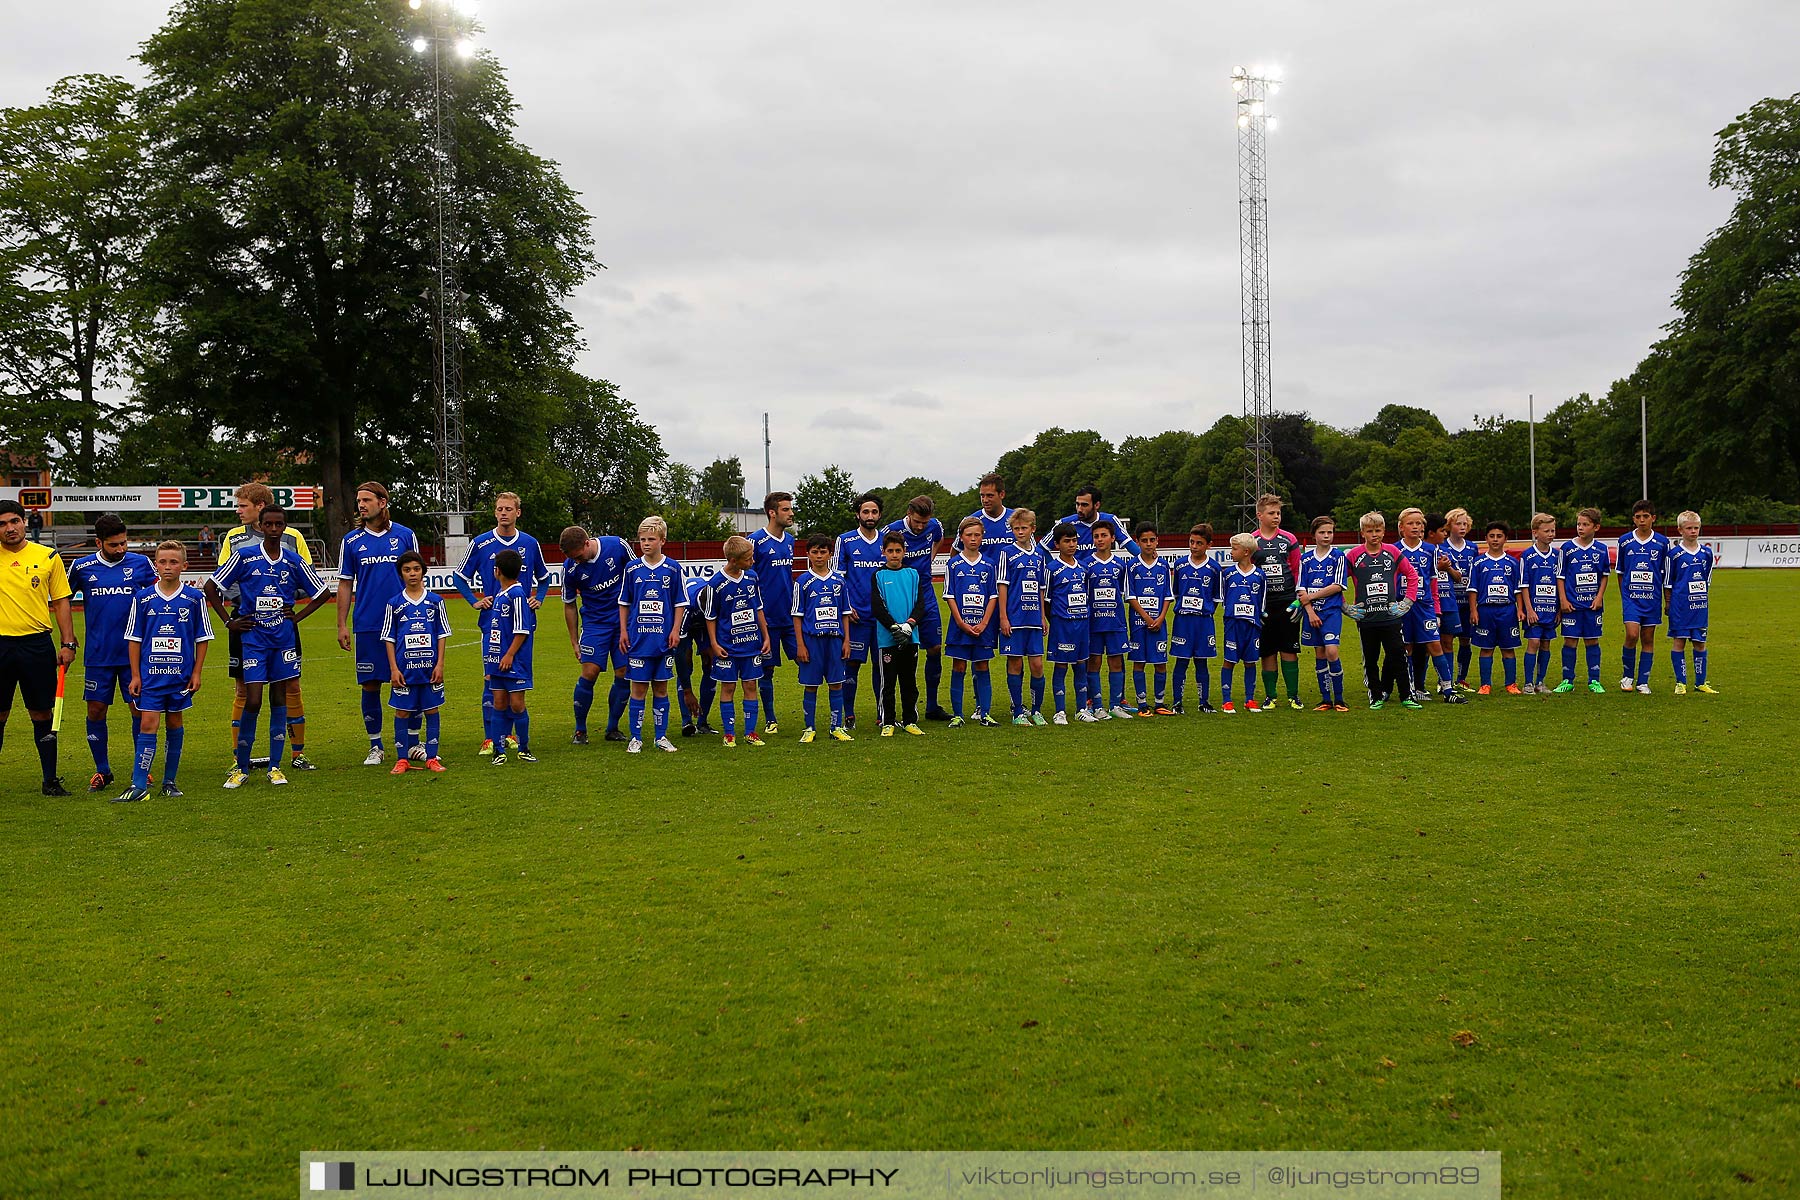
x=824, y=503
x=722, y=483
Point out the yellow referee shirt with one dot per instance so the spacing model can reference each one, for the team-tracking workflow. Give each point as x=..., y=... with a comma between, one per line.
x=31, y=579
x=237, y=538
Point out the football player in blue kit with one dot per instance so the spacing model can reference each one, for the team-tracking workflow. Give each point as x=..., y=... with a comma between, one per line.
x=1243, y=595
x=1087, y=517
x=858, y=557
x=165, y=639
x=1024, y=591
x=413, y=632
x=738, y=632
x=822, y=635
x=270, y=577
x=1497, y=607
x=1192, y=638
x=368, y=573
x=506, y=655
x=971, y=588
x=475, y=578
x=921, y=532
x=1582, y=564
x=652, y=606
x=1687, y=582
x=1071, y=601
x=109, y=581
x=593, y=573
x=1149, y=588
x=695, y=648
x=1322, y=581
x=1460, y=550
x=1642, y=563
x=1419, y=628
x=1539, y=567
x=997, y=533
x=1107, y=628
x=773, y=564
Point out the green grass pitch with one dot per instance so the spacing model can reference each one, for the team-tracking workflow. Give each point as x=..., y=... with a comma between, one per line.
x=1208, y=933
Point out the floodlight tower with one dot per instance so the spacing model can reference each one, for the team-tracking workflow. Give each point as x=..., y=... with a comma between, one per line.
x=448, y=35
x=1254, y=86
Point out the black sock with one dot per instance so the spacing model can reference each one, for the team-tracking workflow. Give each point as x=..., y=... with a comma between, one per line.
x=45, y=737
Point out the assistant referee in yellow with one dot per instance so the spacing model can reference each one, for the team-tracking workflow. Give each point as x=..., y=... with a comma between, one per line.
x=34, y=592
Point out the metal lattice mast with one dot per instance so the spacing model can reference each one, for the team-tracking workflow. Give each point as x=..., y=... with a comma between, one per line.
x=1253, y=86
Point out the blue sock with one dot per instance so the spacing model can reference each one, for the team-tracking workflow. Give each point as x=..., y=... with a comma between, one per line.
x=1462, y=662
x=401, y=742
x=1679, y=661
x=1543, y=665
x=1250, y=682
x=617, y=697
x=809, y=704
x=1093, y=688
x=1487, y=670
x=836, y=701
x=1181, y=670
x=1225, y=682
x=708, y=689
x=246, y=736
x=766, y=696
x=1593, y=661
x=1138, y=685
x=584, y=702
x=96, y=736
x=521, y=723
x=1646, y=660
x=1699, y=667
x=749, y=717
x=984, y=693
x=277, y=734
x=1059, y=679
x=956, y=692
x=1511, y=664
x=1531, y=666
x=1203, y=677
x=636, y=708
x=1445, y=669
x=1081, y=687
x=1569, y=660
x=1037, y=693
x=487, y=713
x=146, y=756
x=1337, y=681
x=1629, y=655
x=1115, y=681
x=934, y=674
x=852, y=670
x=172, y=752
x=431, y=734
x=662, y=717
x=728, y=717
x=1319, y=669
x=1015, y=686
x=371, y=711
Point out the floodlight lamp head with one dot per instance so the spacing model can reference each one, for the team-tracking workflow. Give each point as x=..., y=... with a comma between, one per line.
x=464, y=48
x=1237, y=85
x=1271, y=124
x=415, y=5
x=1238, y=72
x=1243, y=121
x=1256, y=108
x=420, y=45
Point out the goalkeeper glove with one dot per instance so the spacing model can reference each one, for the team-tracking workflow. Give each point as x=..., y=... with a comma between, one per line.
x=1403, y=606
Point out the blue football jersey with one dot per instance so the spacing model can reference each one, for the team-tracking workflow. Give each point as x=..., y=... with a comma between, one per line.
x=1583, y=570
x=1084, y=535
x=1687, y=578
x=107, y=591
x=1071, y=588
x=996, y=534
x=857, y=558
x=1241, y=593
x=1107, y=592
x=478, y=564
x=969, y=586
x=512, y=616
x=919, y=546
x=732, y=604
x=774, y=567
x=594, y=583
x=416, y=628
x=819, y=602
x=1317, y=573
x=1464, y=556
x=1538, y=570
x=1641, y=566
x=368, y=560
x=168, y=631
x=693, y=624
x=268, y=587
x=1495, y=581
x=1424, y=559
x=651, y=601
x=1196, y=587
x=1152, y=585
x=1026, y=577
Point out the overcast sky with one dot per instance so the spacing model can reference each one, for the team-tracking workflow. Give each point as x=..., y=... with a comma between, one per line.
x=917, y=234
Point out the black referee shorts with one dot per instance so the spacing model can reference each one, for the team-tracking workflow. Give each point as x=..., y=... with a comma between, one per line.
x=28, y=663
x=1280, y=635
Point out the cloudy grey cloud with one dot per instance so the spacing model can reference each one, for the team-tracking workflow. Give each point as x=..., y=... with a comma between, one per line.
x=1028, y=213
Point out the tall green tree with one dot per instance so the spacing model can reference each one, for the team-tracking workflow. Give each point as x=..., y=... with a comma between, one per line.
x=1044, y=475
x=823, y=502
x=292, y=240
x=722, y=483
x=72, y=185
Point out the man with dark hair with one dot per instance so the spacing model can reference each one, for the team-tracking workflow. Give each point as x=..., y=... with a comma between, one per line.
x=996, y=517
x=773, y=565
x=34, y=598
x=920, y=532
x=857, y=558
x=369, y=573
x=1088, y=514
x=109, y=581
x=250, y=499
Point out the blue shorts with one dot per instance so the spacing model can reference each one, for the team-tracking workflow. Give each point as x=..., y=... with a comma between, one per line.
x=269, y=661
x=600, y=644
x=1150, y=646
x=512, y=681
x=165, y=700
x=1497, y=627
x=1194, y=636
x=1450, y=622
x=781, y=640
x=862, y=636
x=1417, y=627
x=98, y=683
x=371, y=658
x=931, y=625
x=654, y=668
x=1243, y=640
x=1068, y=640
x=1582, y=623
x=747, y=669
x=421, y=698
x=971, y=649
x=1022, y=643
x=1329, y=633
x=1107, y=642
x=824, y=663
x=1691, y=626
x=1640, y=611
